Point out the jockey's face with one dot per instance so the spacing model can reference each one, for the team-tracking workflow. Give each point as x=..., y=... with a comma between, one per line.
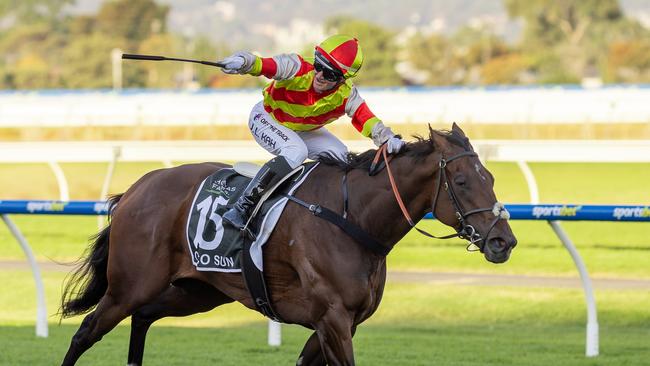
x=321, y=84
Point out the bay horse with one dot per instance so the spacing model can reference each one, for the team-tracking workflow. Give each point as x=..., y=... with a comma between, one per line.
x=139, y=265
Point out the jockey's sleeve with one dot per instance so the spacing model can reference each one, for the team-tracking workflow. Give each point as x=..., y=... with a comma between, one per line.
x=362, y=117
x=280, y=67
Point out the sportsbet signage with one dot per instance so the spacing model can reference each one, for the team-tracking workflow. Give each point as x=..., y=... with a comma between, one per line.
x=630, y=212
x=40, y=206
x=556, y=211
x=560, y=212
x=567, y=212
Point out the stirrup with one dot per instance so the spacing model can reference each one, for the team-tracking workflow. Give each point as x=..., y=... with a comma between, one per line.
x=268, y=192
x=243, y=230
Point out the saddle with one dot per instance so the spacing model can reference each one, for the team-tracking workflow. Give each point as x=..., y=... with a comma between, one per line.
x=222, y=248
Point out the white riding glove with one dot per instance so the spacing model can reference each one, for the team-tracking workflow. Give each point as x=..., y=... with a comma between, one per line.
x=238, y=63
x=394, y=144
x=381, y=134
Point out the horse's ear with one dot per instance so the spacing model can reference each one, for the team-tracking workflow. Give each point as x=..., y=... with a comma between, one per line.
x=431, y=131
x=457, y=129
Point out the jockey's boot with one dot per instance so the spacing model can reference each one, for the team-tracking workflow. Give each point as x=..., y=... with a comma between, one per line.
x=268, y=176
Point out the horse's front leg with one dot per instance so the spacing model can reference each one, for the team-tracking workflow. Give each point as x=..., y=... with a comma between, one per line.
x=311, y=354
x=335, y=331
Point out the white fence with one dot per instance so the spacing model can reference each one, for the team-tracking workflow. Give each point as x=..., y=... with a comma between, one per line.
x=168, y=152
x=180, y=151
x=556, y=104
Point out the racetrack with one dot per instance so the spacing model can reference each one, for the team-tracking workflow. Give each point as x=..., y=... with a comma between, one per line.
x=439, y=278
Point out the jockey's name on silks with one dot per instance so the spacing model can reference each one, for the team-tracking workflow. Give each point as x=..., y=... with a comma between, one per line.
x=291, y=100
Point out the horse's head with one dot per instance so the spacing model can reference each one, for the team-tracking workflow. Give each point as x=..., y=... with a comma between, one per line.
x=464, y=197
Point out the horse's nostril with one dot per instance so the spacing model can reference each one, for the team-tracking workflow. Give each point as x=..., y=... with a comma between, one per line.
x=497, y=245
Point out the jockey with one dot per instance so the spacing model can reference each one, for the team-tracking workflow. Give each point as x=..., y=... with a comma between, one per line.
x=303, y=96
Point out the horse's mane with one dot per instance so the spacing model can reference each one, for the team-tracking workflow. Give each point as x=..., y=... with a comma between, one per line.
x=418, y=149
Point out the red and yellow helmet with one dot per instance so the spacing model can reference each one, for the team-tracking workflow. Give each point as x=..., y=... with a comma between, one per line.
x=342, y=52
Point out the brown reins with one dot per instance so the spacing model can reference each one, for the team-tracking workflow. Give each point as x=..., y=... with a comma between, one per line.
x=464, y=230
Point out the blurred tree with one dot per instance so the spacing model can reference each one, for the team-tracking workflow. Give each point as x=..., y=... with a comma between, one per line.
x=577, y=31
x=431, y=54
x=81, y=25
x=34, y=11
x=31, y=72
x=473, y=48
x=550, y=22
x=549, y=68
x=629, y=62
x=379, y=50
x=506, y=69
x=158, y=74
x=24, y=50
x=88, y=62
x=457, y=60
x=134, y=20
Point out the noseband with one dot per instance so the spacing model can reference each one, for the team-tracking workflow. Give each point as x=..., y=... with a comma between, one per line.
x=463, y=230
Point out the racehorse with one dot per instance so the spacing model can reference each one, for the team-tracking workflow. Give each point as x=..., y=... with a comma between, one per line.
x=139, y=265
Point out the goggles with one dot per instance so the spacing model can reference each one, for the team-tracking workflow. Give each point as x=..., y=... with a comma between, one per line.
x=329, y=73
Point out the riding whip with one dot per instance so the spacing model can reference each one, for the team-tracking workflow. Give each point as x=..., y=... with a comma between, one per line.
x=128, y=56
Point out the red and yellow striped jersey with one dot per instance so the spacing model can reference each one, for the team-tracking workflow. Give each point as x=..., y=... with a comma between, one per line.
x=292, y=101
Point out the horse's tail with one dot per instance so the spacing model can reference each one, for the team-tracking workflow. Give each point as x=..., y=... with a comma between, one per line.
x=88, y=282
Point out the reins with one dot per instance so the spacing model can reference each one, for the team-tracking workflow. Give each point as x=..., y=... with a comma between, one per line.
x=382, y=151
x=465, y=230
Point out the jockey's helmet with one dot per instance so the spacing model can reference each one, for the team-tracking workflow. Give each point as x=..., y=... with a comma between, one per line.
x=341, y=52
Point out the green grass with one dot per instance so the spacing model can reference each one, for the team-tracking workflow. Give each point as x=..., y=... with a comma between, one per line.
x=582, y=183
x=374, y=345
x=85, y=180
x=416, y=324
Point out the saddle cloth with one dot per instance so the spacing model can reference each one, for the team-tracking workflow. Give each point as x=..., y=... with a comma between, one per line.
x=215, y=246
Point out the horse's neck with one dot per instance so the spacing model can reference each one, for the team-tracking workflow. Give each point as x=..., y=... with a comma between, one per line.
x=377, y=208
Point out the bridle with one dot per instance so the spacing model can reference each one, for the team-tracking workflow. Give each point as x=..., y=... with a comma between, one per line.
x=463, y=230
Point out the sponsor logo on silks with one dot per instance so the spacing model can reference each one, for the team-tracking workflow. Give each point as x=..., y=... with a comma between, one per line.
x=220, y=187
x=624, y=212
x=100, y=207
x=41, y=206
x=561, y=211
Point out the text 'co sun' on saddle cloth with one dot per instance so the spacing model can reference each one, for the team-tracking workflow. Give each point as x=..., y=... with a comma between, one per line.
x=217, y=247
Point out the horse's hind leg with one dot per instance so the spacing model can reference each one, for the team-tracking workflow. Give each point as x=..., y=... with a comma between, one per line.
x=95, y=325
x=184, y=297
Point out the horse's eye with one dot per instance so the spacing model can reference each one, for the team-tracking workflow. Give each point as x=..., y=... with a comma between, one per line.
x=460, y=180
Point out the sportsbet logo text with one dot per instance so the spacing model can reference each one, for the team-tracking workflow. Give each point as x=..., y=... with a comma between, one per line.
x=564, y=211
x=37, y=206
x=621, y=212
